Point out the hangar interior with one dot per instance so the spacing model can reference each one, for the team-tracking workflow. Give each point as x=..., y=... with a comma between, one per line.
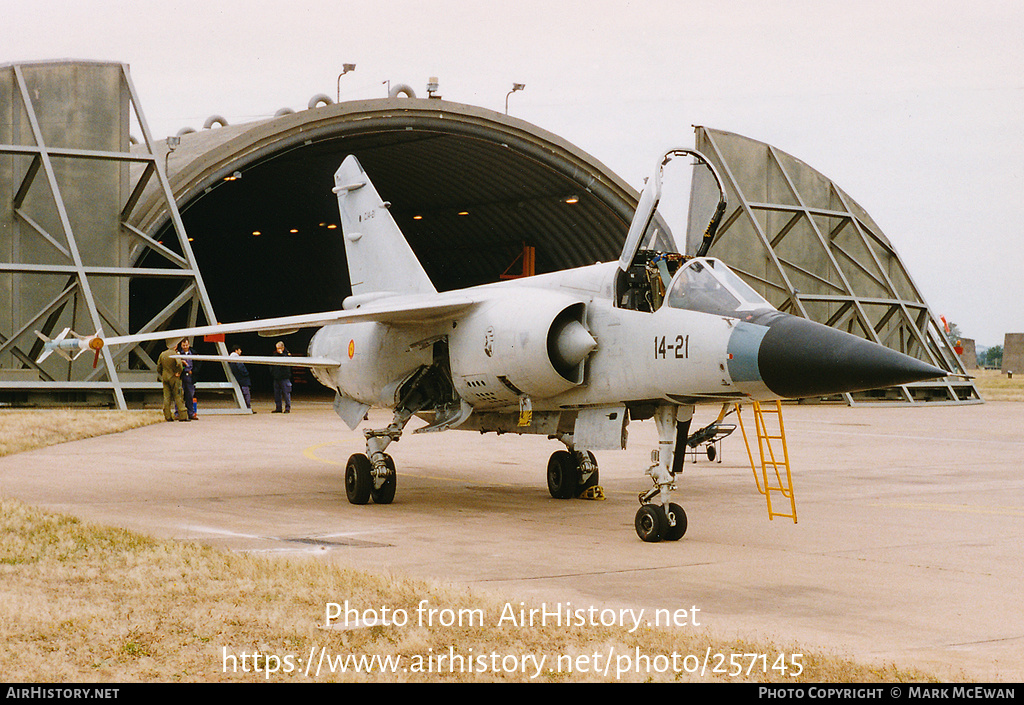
x=241, y=220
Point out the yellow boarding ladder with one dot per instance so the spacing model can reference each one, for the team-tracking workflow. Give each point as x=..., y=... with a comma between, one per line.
x=770, y=458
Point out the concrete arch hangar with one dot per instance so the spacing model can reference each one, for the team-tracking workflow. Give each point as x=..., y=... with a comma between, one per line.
x=471, y=190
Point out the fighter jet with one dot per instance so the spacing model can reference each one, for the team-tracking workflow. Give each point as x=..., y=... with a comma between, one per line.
x=573, y=355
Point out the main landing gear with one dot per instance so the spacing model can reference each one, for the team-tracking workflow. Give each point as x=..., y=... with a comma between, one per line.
x=372, y=475
x=362, y=484
x=659, y=518
x=573, y=474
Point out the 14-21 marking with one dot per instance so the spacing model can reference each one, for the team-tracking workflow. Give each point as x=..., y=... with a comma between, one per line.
x=679, y=348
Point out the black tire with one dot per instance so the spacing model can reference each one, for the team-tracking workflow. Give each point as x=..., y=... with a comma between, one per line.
x=358, y=479
x=563, y=475
x=650, y=523
x=712, y=452
x=674, y=533
x=386, y=493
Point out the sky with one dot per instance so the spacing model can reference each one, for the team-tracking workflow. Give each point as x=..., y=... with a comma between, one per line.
x=915, y=108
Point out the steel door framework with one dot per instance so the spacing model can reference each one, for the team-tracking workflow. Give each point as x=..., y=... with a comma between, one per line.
x=813, y=252
x=36, y=176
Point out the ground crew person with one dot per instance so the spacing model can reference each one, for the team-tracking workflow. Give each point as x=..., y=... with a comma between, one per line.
x=170, y=374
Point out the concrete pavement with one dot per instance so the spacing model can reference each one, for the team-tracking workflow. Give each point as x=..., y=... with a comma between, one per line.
x=907, y=547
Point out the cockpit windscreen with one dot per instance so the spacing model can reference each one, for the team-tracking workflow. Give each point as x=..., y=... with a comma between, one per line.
x=708, y=286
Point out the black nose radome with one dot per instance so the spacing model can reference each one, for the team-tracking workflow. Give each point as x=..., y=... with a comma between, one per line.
x=800, y=358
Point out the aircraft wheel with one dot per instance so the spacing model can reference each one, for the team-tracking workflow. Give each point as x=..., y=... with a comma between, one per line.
x=711, y=452
x=674, y=533
x=358, y=480
x=563, y=475
x=594, y=478
x=386, y=493
x=651, y=523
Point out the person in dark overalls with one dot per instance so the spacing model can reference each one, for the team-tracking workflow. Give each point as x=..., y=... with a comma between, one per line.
x=188, y=383
x=282, y=375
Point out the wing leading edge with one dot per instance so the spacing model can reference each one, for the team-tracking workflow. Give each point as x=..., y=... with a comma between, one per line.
x=400, y=314
x=393, y=312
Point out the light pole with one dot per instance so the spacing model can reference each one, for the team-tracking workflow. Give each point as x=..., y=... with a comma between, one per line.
x=345, y=68
x=515, y=87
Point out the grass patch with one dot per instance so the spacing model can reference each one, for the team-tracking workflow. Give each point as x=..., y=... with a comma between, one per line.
x=22, y=430
x=90, y=603
x=993, y=385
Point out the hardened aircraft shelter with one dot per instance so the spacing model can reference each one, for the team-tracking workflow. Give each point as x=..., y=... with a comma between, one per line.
x=104, y=227
x=812, y=251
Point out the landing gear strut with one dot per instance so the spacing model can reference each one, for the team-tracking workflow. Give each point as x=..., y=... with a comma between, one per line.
x=372, y=475
x=659, y=518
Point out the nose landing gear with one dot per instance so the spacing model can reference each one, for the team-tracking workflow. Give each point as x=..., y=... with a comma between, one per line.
x=664, y=520
x=654, y=524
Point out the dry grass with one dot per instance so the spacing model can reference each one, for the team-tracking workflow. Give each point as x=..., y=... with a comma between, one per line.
x=993, y=385
x=22, y=430
x=89, y=603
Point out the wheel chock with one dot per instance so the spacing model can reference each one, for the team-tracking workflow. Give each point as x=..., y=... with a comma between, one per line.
x=595, y=492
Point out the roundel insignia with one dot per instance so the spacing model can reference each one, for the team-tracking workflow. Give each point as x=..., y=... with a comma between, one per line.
x=351, y=349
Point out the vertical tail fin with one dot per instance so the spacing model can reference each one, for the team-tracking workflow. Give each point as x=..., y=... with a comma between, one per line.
x=379, y=258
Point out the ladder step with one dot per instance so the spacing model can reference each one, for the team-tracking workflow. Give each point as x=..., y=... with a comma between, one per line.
x=770, y=462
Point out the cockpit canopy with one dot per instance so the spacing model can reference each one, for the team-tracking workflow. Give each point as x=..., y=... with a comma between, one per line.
x=700, y=284
x=705, y=284
x=650, y=278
